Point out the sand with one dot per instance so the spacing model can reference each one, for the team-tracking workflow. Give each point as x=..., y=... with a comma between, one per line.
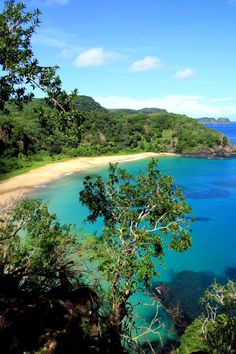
x=16, y=187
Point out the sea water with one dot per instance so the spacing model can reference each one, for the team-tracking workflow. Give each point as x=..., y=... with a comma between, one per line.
x=210, y=188
x=228, y=129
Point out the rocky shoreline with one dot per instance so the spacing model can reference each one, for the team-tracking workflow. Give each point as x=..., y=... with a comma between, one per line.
x=216, y=156
x=220, y=152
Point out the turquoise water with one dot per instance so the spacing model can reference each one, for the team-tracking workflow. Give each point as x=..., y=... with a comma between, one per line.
x=210, y=188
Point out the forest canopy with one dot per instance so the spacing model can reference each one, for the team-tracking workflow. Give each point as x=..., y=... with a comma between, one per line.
x=69, y=124
x=59, y=290
x=38, y=131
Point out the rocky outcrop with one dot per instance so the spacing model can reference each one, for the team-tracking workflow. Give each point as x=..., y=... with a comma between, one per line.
x=207, y=120
x=223, y=150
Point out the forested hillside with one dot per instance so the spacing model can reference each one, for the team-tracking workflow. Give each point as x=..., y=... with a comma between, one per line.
x=38, y=131
x=63, y=291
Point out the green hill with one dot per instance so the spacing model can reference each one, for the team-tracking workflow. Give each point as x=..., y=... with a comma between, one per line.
x=88, y=104
x=158, y=132
x=136, y=111
x=28, y=134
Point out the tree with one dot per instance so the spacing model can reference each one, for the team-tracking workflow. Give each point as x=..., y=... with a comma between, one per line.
x=17, y=60
x=22, y=74
x=219, y=326
x=36, y=251
x=215, y=331
x=45, y=306
x=142, y=216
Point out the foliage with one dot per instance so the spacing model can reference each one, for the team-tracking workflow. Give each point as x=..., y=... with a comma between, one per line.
x=143, y=216
x=17, y=60
x=44, y=304
x=56, y=122
x=223, y=296
x=35, y=250
x=63, y=126
x=215, y=332
x=88, y=104
x=160, y=132
x=137, y=111
x=72, y=124
x=192, y=340
x=39, y=127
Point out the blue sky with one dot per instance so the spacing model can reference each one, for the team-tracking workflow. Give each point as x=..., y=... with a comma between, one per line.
x=174, y=54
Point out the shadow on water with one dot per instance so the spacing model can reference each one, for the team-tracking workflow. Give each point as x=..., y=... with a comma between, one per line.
x=229, y=183
x=180, y=297
x=200, y=218
x=230, y=273
x=212, y=193
x=184, y=291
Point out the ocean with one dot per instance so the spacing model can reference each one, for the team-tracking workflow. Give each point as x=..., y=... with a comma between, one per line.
x=228, y=129
x=210, y=188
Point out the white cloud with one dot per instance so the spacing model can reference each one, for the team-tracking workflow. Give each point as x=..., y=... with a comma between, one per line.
x=184, y=74
x=192, y=106
x=146, y=64
x=96, y=57
x=57, y=39
x=221, y=99
x=44, y=39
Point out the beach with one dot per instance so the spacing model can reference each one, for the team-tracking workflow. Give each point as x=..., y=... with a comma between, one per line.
x=16, y=187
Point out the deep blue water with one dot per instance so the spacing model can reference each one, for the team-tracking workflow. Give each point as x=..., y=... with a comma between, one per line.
x=209, y=186
x=228, y=129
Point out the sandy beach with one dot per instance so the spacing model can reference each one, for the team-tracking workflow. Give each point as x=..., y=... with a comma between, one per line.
x=18, y=186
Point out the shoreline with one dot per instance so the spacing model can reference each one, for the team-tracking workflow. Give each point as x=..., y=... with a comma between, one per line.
x=16, y=187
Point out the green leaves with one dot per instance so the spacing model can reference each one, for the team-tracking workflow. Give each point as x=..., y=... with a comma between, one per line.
x=148, y=204
x=221, y=295
x=35, y=248
x=142, y=216
x=213, y=332
x=16, y=57
x=21, y=74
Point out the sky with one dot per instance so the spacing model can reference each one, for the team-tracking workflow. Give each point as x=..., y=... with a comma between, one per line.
x=174, y=54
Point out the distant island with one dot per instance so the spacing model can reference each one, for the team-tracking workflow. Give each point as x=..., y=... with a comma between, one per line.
x=207, y=120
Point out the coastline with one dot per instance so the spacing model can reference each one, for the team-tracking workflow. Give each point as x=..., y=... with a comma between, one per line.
x=16, y=187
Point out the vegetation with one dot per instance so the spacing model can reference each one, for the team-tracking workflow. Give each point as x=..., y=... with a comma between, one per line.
x=35, y=250
x=70, y=124
x=20, y=75
x=42, y=269
x=45, y=306
x=215, y=331
x=122, y=111
x=142, y=217
x=37, y=131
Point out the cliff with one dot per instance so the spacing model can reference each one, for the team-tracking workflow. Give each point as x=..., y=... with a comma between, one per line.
x=207, y=120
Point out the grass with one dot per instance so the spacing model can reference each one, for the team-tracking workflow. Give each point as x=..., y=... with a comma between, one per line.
x=32, y=164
